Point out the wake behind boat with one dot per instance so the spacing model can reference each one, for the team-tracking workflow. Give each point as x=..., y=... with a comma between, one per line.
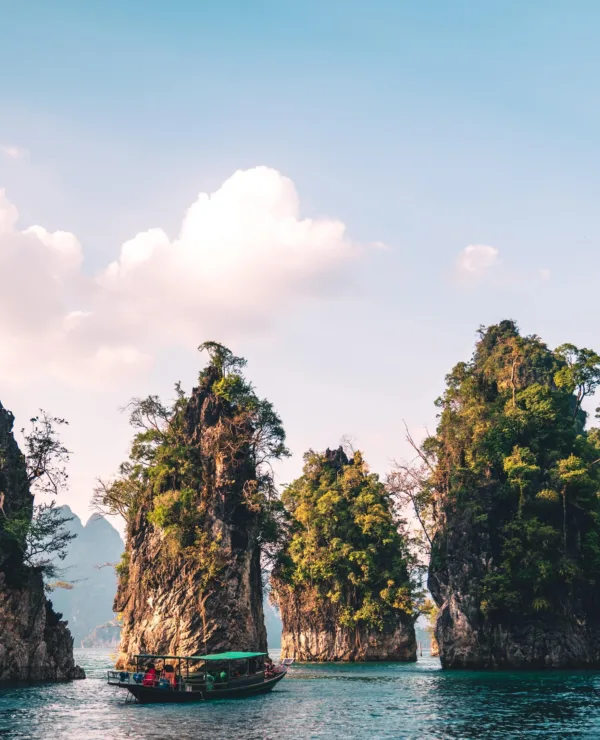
x=173, y=678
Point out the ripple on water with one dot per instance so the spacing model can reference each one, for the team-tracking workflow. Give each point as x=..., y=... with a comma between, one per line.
x=323, y=702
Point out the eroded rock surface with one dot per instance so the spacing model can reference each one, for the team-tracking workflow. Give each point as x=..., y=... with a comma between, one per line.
x=168, y=603
x=314, y=637
x=35, y=644
x=515, y=558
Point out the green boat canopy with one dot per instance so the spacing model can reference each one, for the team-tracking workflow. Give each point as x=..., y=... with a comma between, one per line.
x=231, y=656
x=214, y=656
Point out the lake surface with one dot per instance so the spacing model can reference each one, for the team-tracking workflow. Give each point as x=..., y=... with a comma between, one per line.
x=327, y=701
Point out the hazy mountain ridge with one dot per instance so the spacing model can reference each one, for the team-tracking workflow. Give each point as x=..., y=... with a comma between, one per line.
x=89, y=567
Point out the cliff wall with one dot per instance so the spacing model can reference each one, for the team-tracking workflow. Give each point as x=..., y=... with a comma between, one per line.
x=196, y=587
x=312, y=635
x=467, y=638
x=35, y=645
x=515, y=558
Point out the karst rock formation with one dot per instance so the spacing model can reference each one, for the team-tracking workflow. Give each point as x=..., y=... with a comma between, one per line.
x=35, y=644
x=192, y=580
x=515, y=560
x=340, y=580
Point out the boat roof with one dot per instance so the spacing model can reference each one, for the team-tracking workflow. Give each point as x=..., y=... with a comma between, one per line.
x=231, y=655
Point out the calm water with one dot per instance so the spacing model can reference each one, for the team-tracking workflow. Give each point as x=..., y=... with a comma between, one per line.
x=331, y=701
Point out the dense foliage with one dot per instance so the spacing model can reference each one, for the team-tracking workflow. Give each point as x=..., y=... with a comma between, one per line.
x=344, y=548
x=514, y=467
x=171, y=469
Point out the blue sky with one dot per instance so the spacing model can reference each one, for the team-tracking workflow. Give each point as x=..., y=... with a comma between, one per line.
x=426, y=126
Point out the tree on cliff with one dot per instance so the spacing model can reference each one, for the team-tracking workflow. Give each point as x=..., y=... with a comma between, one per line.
x=345, y=557
x=516, y=479
x=37, y=528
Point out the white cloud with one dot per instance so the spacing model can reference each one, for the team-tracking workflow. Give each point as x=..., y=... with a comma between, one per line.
x=242, y=257
x=476, y=260
x=13, y=152
x=545, y=274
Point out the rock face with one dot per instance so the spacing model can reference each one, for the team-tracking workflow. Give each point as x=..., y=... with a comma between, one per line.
x=515, y=556
x=468, y=641
x=312, y=636
x=167, y=603
x=35, y=645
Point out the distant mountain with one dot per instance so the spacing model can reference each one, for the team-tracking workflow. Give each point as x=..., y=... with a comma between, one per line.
x=89, y=566
x=105, y=635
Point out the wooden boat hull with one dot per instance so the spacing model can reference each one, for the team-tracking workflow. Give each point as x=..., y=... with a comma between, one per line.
x=150, y=695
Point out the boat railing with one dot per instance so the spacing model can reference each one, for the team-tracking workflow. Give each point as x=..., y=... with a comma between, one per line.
x=120, y=677
x=128, y=678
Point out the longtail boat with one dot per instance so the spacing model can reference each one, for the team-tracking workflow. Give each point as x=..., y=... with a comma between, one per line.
x=174, y=678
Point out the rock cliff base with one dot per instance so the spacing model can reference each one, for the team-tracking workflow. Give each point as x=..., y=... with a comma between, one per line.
x=313, y=646
x=35, y=645
x=467, y=641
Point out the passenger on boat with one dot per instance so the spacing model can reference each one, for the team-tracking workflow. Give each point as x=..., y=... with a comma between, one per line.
x=269, y=667
x=170, y=675
x=151, y=675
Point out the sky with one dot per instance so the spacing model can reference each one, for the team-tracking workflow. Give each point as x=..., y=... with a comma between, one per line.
x=341, y=192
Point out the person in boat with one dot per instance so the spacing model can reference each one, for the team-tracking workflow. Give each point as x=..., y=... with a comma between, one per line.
x=170, y=675
x=269, y=667
x=150, y=675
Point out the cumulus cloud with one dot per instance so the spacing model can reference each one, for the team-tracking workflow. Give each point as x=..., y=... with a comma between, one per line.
x=13, y=152
x=476, y=260
x=242, y=256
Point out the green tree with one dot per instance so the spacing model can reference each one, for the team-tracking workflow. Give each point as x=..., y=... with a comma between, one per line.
x=42, y=536
x=515, y=469
x=580, y=374
x=344, y=547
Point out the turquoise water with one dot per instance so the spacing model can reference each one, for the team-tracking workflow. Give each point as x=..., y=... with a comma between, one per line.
x=329, y=701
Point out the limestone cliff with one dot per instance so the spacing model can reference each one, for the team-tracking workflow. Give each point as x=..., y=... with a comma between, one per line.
x=313, y=634
x=191, y=575
x=35, y=645
x=341, y=582
x=515, y=557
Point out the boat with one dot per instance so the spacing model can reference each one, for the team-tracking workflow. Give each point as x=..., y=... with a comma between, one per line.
x=178, y=679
